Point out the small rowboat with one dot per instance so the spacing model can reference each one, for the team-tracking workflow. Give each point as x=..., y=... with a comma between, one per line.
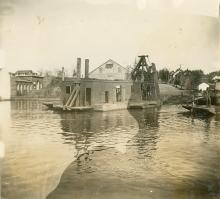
x=200, y=109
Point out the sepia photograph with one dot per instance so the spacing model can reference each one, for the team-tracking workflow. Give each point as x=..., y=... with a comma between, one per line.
x=109, y=99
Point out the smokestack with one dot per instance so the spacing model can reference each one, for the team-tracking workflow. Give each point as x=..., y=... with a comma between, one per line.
x=63, y=74
x=86, y=68
x=78, y=69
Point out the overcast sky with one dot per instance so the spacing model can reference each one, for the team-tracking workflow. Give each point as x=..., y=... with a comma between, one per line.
x=50, y=34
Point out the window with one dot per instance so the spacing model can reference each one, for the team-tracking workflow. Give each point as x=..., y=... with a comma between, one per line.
x=67, y=89
x=109, y=66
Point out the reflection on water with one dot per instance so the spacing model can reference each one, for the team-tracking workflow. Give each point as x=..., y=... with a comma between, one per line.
x=96, y=131
x=145, y=141
x=35, y=156
x=120, y=154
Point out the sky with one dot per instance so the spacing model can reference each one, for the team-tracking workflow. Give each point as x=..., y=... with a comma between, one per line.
x=50, y=34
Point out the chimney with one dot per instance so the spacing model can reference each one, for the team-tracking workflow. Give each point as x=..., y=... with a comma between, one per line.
x=86, y=68
x=63, y=74
x=78, y=69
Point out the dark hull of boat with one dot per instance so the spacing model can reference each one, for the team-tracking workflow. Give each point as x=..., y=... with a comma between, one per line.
x=200, y=109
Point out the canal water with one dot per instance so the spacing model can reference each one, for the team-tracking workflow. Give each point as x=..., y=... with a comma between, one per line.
x=120, y=154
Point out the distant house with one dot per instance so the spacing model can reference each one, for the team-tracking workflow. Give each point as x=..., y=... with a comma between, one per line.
x=25, y=73
x=216, y=79
x=110, y=70
x=25, y=81
x=177, y=77
x=187, y=79
x=203, y=86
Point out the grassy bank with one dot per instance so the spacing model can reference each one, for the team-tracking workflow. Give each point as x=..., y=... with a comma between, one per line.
x=172, y=95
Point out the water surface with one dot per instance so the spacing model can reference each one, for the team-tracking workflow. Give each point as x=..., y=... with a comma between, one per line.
x=119, y=154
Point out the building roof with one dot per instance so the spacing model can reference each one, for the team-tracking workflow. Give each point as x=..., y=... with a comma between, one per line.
x=24, y=71
x=107, y=62
x=177, y=72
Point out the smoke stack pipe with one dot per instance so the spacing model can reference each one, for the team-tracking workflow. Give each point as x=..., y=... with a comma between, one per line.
x=78, y=69
x=63, y=74
x=86, y=68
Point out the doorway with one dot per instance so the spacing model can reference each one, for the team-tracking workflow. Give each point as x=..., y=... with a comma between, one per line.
x=106, y=96
x=118, y=94
x=88, y=96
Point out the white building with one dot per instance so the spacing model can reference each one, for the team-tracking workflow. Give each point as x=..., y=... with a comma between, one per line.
x=203, y=86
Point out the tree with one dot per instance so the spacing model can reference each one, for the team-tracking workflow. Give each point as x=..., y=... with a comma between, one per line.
x=211, y=75
x=196, y=76
x=164, y=75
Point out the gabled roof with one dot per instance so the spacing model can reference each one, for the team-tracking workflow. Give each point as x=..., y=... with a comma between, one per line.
x=107, y=62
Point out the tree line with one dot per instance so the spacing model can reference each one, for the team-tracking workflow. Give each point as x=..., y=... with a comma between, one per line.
x=188, y=79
